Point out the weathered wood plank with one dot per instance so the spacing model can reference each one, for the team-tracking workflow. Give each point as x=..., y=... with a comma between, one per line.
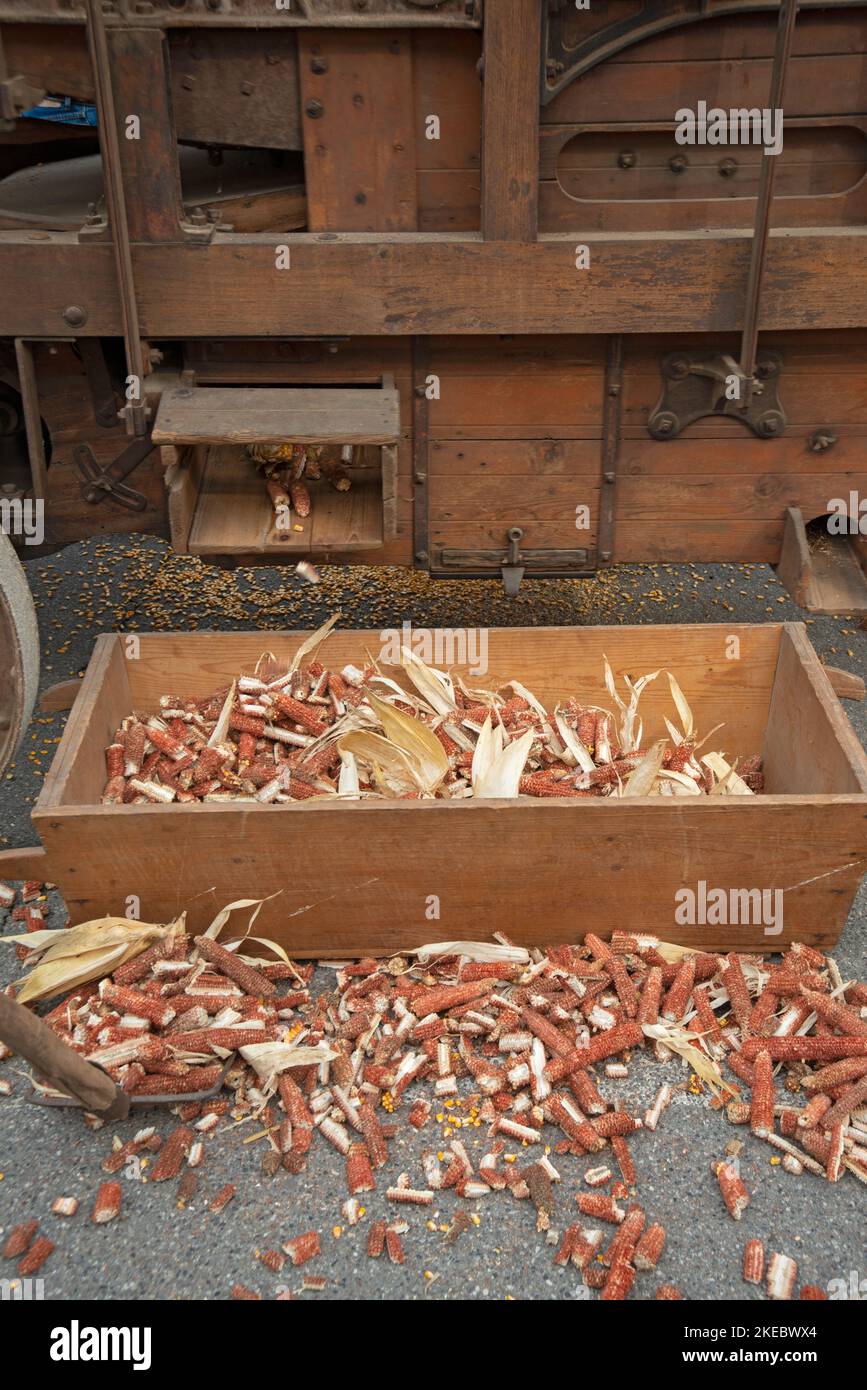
x=357, y=124
x=273, y=414
x=448, y=284
x=510, y=119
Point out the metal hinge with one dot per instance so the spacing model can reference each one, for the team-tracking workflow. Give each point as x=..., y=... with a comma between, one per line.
x=696, y=385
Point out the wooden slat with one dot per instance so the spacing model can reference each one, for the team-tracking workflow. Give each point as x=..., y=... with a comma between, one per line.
x=723, y=498
x=451, y=284
x=510, y=120
x=530, y=497
x=810, y=746
x=530, y=459
x=697, y=542
x=245, y=415
x=359, y=141
x=742, y=453
x=78, y=773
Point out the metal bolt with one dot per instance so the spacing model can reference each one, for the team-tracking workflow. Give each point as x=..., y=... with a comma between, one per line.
x=770, y=423
x=821, y=440
x=246, y=89
x=419, y=477
x=198, y=217
x=360, y=4
x=605, y=555
x=678, y=163
x=627, y=159
x=728, y=168
x=314, y=109
x=609, y=477
x=421, y=556
x=188, y=82
x=420, y=391
x=663, y=424
x=93, y=217
x=318, y=64
x=74, y=315
x=272, y=58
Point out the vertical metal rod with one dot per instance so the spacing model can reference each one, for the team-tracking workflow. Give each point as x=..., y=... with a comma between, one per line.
x=750, y=334
x=116, y=204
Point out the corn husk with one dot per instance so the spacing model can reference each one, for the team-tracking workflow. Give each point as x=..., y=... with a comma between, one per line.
x=683, y=708
x=489, y=746
x=416, y=740
x=435, y=686
x=221, y=728
x=73, y=956
x=504, y=773
x=684, y=1044
x=348, y=784
x=574, y=744
x=225, y=913
x=393, y=770
x=314, y=640
x=483, y=951
x=270, y=1058
x=642, y=779
x=728, y=782
x=629, y=734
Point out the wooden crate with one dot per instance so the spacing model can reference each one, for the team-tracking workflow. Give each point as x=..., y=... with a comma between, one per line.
x=359, y=878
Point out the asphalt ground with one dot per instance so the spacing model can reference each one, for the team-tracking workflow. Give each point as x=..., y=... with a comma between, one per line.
x=158, y=1250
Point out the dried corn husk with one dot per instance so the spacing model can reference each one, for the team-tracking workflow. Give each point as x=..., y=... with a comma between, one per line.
x=642, y=780
x=728, y=783
x=75, y=955
x=393, y=770
x=504, y=772
x=314, y=640
x=270, y=1058
x=435, y=686
x=485, y=952
x=684, y=1044
x=416, y=740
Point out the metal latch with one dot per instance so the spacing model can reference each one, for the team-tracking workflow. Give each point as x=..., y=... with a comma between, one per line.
x=512, y=569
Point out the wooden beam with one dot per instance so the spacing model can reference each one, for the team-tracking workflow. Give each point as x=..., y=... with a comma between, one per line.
x=510, y=120
x=150, y=171
x=409, y=283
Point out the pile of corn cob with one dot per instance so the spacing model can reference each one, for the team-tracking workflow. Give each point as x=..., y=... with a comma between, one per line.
x=313, y=732
x=529, y=1046
x=285, y=466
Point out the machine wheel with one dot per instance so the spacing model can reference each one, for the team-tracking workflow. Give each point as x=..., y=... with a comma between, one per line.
x=19, y=652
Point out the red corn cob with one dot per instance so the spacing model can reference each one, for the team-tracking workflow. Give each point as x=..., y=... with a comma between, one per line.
x=376, y=1239
x=172, y=1154
x=754, y=1262
x=849, y=1069
x=35, y=1257
x=739, y=995
x=133, y=1001
x=107, y=1204
x=223, y=1198
x=603, y=1208
x=359, y=1174
x=250, y=980
x=394, y=1246
x=676, y=1000
x=762, y=1102
x=822, y=1049
x=302, y=1248
x=734, y=1193
x=624, y=1159
x=19, y=1239
x=837, y=1014
x=648, y=1007
x=649, y=1248
x=668, y=1291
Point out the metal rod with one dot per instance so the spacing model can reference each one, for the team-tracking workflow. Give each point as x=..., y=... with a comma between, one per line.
x=750, y=334
x=116, y=204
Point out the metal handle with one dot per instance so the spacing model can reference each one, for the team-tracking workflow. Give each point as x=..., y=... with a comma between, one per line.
x=27, y=1035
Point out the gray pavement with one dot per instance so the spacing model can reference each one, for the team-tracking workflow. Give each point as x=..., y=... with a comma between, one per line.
x=156, y=1250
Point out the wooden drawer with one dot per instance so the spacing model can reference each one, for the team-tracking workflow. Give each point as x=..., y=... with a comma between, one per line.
x=356, y=877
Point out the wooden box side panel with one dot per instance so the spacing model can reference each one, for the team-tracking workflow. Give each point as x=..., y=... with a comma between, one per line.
x=554, y=663
x=360, y=883
x=810, y=745
x=77, y=776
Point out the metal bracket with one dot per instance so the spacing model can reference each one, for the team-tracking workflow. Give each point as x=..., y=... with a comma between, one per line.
x=695, y=385
x=100, y=483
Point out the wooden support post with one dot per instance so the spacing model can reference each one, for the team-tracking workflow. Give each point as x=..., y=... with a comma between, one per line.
x=32, y=417
x=149, y=160
x=510, y=120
